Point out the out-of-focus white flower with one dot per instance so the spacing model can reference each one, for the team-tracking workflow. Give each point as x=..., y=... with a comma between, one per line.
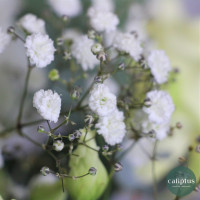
x=71, y=34
x=162, y=107
x=144, y=125
x=81, y=51
x=58, y=145
x=103, y=21
x=70, y=8
x=39, y=49
x=112, y=127
x=103, y=5
x=160, y=65
x=32, y=24
x=4, y=40
x=101, y=100
x=48, y=104
x=128, y=43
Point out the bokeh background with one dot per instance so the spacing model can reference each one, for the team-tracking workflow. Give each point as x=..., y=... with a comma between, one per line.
x=172, y=25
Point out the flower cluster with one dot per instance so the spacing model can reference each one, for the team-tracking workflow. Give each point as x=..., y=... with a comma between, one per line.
x=111, y=120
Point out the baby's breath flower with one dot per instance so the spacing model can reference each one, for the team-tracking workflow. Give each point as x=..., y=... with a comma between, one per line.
x=103, y=5
x=128, y=43
x=70, y=8
x=101, y=100
x=39, y=49
x=96, y=48
x=81, y=50
x=4, y=40
x=54, y=75
x=58, y=145
x=160, y=65
x=162, y=107
x=103, y=21
x=32, y=24
x=48, y=104
x=112, y=127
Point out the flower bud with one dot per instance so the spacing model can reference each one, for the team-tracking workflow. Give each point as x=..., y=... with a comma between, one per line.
x=147, y=102
x=40, y=129
x=67, y=55
x=101, y=56
x=75, y=94
x=54, y=75
x=11, y=30
x=91, y=34
x=118, y=167
x=198, y=148
x=45, y=171
x=96, y=48
x=65, y=18
x=105, y=148
x=89, y=119
x=77, y=134
x=58, y=145
x=181, y=159
x=92, y=171
x=71, y=137
x=98, y=79
x=121, y=66
x=178, y=125
x=152, y=134
x=59, y=41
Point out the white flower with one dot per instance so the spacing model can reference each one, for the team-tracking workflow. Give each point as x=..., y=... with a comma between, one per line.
x=70, y=8
x=71, y=34
x=160, y=65
x=58, y=145
x=103, y=21
x=48, y=104
x=103, y=5
x=112, y=127
x=101, y=100
x=39, y=49
x=128, y=43
x=32, y=24
x=4, y=40
x=143, y=124
x=81, y=50
x=162, y=107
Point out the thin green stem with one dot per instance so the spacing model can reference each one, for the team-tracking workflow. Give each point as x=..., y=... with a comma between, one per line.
x=154, y=170
x=21, y=108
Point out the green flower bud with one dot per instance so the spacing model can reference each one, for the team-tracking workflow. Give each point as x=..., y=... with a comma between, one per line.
x=54, y=75
x=45, y=171
x=92, y=171
x=40, y=129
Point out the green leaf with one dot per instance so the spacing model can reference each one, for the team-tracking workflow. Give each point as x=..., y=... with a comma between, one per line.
x=88, y=187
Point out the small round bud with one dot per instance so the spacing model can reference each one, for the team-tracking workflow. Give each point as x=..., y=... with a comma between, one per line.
x=105, y=148
x=118, y=167
x=121, y=66
x=178, y=125
x=89, y=119
x=176, y=70
x=181, y=159
x=119, y=147
x=98, y=79
x=198, y=148
x=54, y=75
x=92, y=171
x=45, y=171
x=96, y=48
x=71, y=137
x=75, y=94
x=91, y=34
x=147, y=102
x=65, y=18
x=11, y=30
x=58, y=145
x=77, y=134
x=101, y=56
x=152, y=134
x=40, y=129
x=67, y=55
x=59, y=41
